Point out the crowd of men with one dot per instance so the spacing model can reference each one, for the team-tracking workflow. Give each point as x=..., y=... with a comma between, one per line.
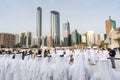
x=58, y=64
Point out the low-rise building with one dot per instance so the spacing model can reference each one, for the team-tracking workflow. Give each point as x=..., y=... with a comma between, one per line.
x=7, y=39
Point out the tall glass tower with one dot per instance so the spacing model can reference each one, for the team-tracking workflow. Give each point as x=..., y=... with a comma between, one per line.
x=38, y=25
x=55, y=27
x=66, y=33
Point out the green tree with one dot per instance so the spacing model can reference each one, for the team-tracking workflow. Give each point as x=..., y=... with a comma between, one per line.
x=18, y=45
x=2, y=46
x=104, y=44
x=35, y=46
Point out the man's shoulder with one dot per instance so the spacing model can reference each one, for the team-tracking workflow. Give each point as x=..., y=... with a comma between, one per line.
x=113, y=52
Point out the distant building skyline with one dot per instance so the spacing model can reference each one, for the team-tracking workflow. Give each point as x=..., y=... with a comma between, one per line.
x=55, y=27
x=20, y=15
x=75, y=37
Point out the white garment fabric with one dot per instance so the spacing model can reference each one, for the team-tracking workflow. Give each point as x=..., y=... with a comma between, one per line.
x=92, y=57
x=79, y=70
x=56, y=67
x=61, y=69
x=105, y=72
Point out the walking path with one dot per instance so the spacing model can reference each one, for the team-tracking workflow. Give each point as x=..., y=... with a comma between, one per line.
x=117, y=61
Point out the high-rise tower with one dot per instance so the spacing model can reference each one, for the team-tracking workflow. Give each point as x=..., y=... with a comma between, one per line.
x=55, y=27
x=38, y=25
x=66, y=34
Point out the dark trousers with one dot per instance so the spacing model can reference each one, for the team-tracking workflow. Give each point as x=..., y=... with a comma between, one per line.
x=113, y=62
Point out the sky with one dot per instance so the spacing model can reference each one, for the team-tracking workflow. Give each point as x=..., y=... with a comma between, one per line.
x=18, y=16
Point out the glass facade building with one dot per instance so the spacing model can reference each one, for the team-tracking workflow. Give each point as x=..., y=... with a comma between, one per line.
x=55, y=27
x=66, y=33
x=38, y=25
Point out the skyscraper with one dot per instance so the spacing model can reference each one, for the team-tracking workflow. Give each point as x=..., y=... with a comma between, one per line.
x=55, y=27
x=110, y=25
x=66, y=33
x=38, y=25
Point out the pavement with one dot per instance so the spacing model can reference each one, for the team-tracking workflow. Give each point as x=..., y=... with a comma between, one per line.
x=117, y=62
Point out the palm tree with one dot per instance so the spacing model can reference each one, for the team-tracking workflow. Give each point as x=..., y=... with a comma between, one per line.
x=104, y=44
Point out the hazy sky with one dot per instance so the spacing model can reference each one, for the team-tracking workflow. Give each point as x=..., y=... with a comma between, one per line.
x=18, y=16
